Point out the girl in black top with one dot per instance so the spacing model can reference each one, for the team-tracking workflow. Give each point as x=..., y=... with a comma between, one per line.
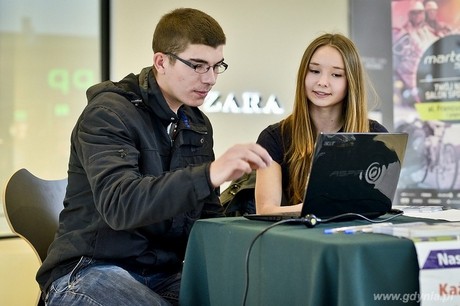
x=330, y=97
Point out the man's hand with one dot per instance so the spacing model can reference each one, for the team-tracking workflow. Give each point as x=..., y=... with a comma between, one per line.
x=238, y=160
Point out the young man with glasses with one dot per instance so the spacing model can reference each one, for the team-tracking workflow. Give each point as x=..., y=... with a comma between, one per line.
x=141, y=171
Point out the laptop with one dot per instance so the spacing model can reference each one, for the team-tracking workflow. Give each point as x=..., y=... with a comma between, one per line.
x=350, y=174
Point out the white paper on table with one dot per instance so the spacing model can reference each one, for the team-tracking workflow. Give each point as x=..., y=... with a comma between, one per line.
x=447, y=215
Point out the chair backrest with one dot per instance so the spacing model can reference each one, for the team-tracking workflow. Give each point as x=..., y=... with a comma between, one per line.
x=32, y=206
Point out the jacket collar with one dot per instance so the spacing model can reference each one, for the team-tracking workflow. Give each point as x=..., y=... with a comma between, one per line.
x=153, y=97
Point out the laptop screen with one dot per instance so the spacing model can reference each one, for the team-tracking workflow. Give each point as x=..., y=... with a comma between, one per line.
x=354, y=173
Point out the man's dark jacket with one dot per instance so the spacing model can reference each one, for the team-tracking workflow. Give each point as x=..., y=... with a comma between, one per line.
x=133, y=193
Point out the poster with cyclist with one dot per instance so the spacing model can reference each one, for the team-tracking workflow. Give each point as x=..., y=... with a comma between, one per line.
x=426, y=97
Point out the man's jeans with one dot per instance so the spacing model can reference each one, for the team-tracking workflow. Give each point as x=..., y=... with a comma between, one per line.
x=102, y=284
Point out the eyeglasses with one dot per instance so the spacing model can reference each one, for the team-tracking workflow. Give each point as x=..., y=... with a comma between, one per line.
x=201, y=68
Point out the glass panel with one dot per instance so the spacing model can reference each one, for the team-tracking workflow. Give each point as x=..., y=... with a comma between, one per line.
x=49, y=56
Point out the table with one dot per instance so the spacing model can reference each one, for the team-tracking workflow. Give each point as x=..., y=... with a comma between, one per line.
x=291, y=264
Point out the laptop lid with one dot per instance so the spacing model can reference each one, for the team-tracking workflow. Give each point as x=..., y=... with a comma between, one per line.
x=354, y=173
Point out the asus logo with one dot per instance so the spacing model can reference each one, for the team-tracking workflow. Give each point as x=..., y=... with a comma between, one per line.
x=343, y=173
x=371, y=175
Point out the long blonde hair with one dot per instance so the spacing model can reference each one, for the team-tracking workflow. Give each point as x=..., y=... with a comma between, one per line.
x=298, y=125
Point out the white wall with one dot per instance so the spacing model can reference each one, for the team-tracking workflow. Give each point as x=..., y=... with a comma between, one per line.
x=265, y=42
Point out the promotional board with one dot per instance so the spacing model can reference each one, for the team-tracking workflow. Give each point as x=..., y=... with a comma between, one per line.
x=426, y=97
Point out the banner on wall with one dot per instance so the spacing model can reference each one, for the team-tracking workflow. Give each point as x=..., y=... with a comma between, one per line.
x=426, y=97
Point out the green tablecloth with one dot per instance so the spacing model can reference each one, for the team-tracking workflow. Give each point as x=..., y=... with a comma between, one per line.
x=294, y=265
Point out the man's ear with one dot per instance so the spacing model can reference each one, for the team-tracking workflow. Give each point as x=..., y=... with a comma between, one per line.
x=159, y=61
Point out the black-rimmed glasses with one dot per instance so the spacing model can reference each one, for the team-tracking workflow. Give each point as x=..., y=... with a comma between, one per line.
x=202, y=68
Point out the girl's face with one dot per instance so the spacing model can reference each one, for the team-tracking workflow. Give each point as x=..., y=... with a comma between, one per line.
x=326, y=82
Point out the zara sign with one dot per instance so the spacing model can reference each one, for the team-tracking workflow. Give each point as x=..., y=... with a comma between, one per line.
x=251, y=103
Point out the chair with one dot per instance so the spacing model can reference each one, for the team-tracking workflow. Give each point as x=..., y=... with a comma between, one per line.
x=32, y=206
